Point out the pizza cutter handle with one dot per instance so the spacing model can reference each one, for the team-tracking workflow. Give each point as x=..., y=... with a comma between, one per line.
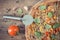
x=10, y=17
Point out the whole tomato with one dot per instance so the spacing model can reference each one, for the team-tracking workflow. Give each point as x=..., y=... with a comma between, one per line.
x=13, y=30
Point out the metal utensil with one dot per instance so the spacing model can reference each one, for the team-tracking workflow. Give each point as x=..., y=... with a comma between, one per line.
x=27, y=19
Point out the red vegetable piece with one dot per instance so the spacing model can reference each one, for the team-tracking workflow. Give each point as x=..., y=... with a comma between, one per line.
x=55, y=31
x=13, y=30
x=45, y=38
x=47, y=33
x=59, y=28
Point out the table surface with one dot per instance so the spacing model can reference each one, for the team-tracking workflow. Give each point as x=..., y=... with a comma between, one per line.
x=4, y=23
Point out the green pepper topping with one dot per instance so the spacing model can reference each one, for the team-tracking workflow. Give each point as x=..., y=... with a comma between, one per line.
x=53, y=36
x=56, y=25
x=37, y=20
x=50, y=14
x=47, y=26
x=19, y=11
x=42, y=7
x=38, y=34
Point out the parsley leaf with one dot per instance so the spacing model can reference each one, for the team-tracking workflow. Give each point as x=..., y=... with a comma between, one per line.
x=47, y=26
x=37, y=20
x=19, y=11
x=50, y=14
x=56, y=25
x=42, y=7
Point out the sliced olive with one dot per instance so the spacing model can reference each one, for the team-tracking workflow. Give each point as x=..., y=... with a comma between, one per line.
x=47, y=26
x=50, y=14
x=42, y=7
x=56, y=25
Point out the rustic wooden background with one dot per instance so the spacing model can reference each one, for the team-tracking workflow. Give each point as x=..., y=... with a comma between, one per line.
x=6, y=5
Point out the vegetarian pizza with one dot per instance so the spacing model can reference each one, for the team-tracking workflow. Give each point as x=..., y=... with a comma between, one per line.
x=46, y=25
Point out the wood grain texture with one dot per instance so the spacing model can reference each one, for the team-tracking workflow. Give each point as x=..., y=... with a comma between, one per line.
x=4, y=23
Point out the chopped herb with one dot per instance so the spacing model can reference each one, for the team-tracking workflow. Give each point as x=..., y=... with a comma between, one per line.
x=53, y=36
x=56, y=25
x=19, y=11
x=37, y=20
x=42, y=7
x=47, y=26
x=50, y=14
x=38, y=34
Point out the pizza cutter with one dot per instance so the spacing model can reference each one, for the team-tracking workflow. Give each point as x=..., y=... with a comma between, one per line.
x=27, y=19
